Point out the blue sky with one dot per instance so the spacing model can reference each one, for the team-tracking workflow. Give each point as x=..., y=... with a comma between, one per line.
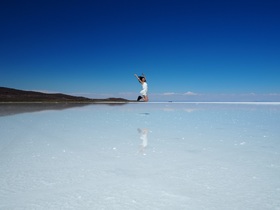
x=189, y=50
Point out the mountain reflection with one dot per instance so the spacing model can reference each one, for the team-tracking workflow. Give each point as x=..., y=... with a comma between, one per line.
x=13, y=109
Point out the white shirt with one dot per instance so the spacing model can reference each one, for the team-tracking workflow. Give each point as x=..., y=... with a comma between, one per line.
x=144, y=90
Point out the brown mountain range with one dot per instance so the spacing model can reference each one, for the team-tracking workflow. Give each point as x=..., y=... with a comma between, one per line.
x=9, y=95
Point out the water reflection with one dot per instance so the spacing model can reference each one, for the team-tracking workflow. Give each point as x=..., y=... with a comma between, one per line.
x=144, y=139
x=102, y=156
x=7, y=109
x=13, y=109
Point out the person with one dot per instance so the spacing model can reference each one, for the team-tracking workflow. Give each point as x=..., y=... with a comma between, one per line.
x=144, y=91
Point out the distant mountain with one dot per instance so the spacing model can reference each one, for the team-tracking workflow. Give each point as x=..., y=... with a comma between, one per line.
x=15, y=95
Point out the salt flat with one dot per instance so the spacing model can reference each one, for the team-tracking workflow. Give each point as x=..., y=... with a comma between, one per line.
x=142, y=156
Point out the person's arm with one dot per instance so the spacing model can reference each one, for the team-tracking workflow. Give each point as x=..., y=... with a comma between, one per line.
x=144, y=76
x=137, y=78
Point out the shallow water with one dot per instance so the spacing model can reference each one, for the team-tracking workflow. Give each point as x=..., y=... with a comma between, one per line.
x=140, y=156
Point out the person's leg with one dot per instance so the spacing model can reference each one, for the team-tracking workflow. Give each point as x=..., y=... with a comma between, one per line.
x=146, y=98
x=139, y=98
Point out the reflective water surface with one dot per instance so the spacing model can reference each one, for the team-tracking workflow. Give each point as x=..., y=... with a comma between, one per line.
x=140, y=156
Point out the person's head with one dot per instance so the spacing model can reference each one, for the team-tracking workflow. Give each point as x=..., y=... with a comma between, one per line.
x=143, y=79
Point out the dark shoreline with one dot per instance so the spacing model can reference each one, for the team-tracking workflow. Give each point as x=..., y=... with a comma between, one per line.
x=14, y=101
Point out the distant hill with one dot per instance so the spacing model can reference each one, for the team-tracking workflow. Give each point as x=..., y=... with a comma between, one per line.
x=15, y=95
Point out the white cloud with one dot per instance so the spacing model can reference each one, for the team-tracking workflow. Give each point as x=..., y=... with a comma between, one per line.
x=169, y=93
x=45, y=91
x=189, y=93
x=274, y=94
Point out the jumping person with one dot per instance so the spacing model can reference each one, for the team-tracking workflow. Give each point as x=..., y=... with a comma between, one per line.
x=144, y=91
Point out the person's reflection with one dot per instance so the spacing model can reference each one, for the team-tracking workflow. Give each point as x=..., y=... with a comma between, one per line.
x=144, y=139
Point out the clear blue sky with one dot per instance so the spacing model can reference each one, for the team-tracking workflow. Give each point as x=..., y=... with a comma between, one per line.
x=189, y=50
